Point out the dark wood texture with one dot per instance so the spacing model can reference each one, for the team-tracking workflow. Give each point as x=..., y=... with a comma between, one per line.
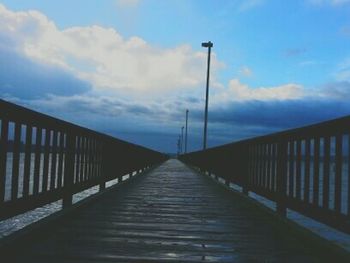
x=251, y=161
x=57, y=179
x=169, y=215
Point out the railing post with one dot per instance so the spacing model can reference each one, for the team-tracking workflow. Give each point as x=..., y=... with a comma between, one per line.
x=246, y=171
x=103, y=167
x=281, y=177
x=69, y=170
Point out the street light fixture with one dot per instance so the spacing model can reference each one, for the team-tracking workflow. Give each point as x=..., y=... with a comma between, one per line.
x=208, y=45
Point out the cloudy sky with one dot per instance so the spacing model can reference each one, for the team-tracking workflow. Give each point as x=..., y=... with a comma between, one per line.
x=130, y=68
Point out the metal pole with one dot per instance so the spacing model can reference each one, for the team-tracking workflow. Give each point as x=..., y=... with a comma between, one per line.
x=182, y=138
x=209, y=45
x=186, y=131
x=178, y=146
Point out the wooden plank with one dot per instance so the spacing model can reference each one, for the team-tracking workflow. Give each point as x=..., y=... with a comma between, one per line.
x=77, y=161
x=307, y=171
x=27, y=160
x=268, y=168
x=69, y=170
x=326, y=166
x=291, y=169
x=15, y=161
x=338, y=172
x=83, y=159
x=256, y=165
x=264, y=165
x=274, y=167
x=170, y=215
x=3, y=157
x=348, y=159
x=53, y=173
x=316, y=168
x=261, y=165
x=298, y=171
x=60, y=159
x=37, y=161
x=281, y=177
x=46, y=160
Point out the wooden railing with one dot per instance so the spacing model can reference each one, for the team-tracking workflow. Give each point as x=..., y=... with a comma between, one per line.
x=305, y=169
x=44, y=159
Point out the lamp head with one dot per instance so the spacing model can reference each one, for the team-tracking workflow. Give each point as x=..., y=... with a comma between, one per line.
x=207, y=44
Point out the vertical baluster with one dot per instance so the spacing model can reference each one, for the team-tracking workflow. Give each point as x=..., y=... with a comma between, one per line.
x=348, y=201
x=60, y=160
x=46, y=159
x=27, y=160
x=253, y=179
x=250, y=163
x=298, y=171
x=82, y=158
x=307, y=171
x=269, y=166
x=53, y=160
x=69, y=170
x=316, y=171
x=291, y=169
x=38, y=151
x=326, y=161
x=257, y=171
x=338, y=172
x=261, y=166
x=3, y=157
x=273, y=167
x=100, y=158
x=86, y=166
x=91, y=158
x=15, y=163
x=95, y=159
x=77, y=161
x=281, y=184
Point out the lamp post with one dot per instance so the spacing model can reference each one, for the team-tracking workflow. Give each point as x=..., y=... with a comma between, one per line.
x=186, y=131
x=208, y=45
x=182, y=139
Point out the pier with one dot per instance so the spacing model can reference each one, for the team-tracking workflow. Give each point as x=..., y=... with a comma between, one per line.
x=171, y=210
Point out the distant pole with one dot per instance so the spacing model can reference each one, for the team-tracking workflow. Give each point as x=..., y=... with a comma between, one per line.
x=182, y=138
x=178, y=146
x=209, y=45
x=186, y=131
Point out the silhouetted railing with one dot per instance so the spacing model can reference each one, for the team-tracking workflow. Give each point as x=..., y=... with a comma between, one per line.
x=305, y=169
x=43, y=159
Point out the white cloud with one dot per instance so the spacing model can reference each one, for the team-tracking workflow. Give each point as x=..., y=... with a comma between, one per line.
x=237, y=91
x=245, y=71
x=103, y=57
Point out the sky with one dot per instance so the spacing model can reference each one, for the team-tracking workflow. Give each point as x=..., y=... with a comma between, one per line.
x=131, y=68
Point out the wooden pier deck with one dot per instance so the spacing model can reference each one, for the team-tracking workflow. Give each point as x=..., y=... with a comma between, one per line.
x=171, y=214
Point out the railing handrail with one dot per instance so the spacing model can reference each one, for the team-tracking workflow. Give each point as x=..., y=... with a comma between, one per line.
x=28, y=116
x=67, y=159
x=300, y=132
x=299, y=168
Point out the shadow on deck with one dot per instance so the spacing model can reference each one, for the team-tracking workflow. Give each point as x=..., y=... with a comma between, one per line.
x=169, y=214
